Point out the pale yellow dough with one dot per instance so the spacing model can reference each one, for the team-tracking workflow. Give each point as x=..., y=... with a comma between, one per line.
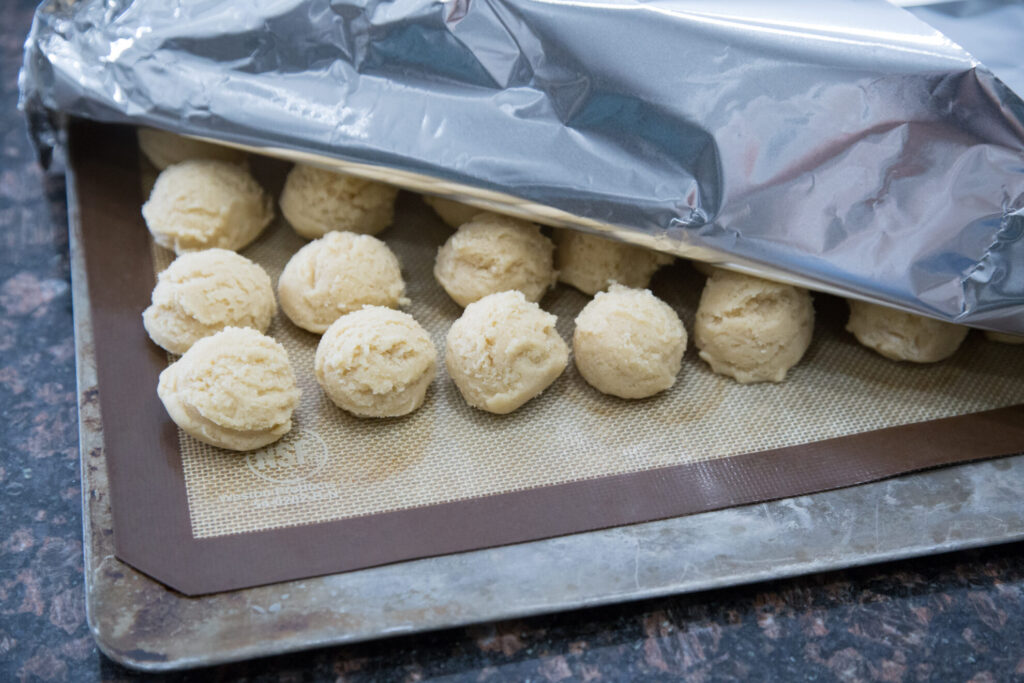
x=164, y=149
x=339, y=273
x=203, y=292
x=628, y=343
x=503, y=351
x=903, y=336
x=376, y=362
x=494, y=253
x=202, y=204
x=234, y=390
x=1004, y=338
x=751, y=329
x=451, y=212
x=590, y=263
x=315, y=201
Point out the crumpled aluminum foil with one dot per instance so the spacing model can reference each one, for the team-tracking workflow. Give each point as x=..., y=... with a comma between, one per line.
x=845, y=146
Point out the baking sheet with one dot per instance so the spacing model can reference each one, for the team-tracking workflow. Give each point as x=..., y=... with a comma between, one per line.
x=590, y=461
x=115, y=588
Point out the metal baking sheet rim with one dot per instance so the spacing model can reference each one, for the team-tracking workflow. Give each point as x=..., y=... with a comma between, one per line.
x=790, y=520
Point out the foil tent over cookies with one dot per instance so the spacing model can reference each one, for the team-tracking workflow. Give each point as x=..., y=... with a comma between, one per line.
x=845, y=145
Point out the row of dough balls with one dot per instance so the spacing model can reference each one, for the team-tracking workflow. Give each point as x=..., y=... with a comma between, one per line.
x=491, y=253
x=205, y=197
x=236, y=389
x=503, y=351
x=343, y=271
x=748, y=328
x=755, y=330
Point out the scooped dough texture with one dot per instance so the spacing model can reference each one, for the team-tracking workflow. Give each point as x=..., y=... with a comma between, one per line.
x=339, y=273
x=164, y=149
x=590, y=263
x=376, y=362
x=201, y=204
x=751, y=329
x=451, y=212
x=203, y=292
x=903, y=336
x=234, y=390
x=494, y=253
x=315, y=201
x=503, y=351
x=628, y=343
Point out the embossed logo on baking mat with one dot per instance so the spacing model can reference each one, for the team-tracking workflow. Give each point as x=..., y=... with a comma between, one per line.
x=296, y=458
x=447, y=451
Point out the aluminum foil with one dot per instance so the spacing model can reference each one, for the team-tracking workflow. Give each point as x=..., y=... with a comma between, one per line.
x=846, y=145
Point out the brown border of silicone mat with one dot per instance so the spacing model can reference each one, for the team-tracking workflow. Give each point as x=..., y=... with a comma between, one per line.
x=150, y=508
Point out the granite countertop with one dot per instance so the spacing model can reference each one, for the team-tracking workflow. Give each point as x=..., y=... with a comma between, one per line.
x=950, y=617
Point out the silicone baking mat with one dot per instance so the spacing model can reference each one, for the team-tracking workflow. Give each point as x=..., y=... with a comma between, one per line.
x=341, y=493
x=334, y=466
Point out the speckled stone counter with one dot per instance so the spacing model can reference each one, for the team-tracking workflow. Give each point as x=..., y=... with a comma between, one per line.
x=953, y=617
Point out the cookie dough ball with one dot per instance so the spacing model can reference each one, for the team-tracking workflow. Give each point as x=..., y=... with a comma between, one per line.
x=494, y=253
x=628, y=343
x=202, y=204
x=376, y=362
x=750, y=329
x=903, y=336
x=503, y=351
x=590, y=263
x=315, y=202
x=451, y=212
x=339, y=273
x=164, y=149
x=234, y=390
x=1004, y=338
x=202, y=292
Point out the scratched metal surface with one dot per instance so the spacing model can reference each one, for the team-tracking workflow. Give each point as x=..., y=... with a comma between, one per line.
x=141, y=624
